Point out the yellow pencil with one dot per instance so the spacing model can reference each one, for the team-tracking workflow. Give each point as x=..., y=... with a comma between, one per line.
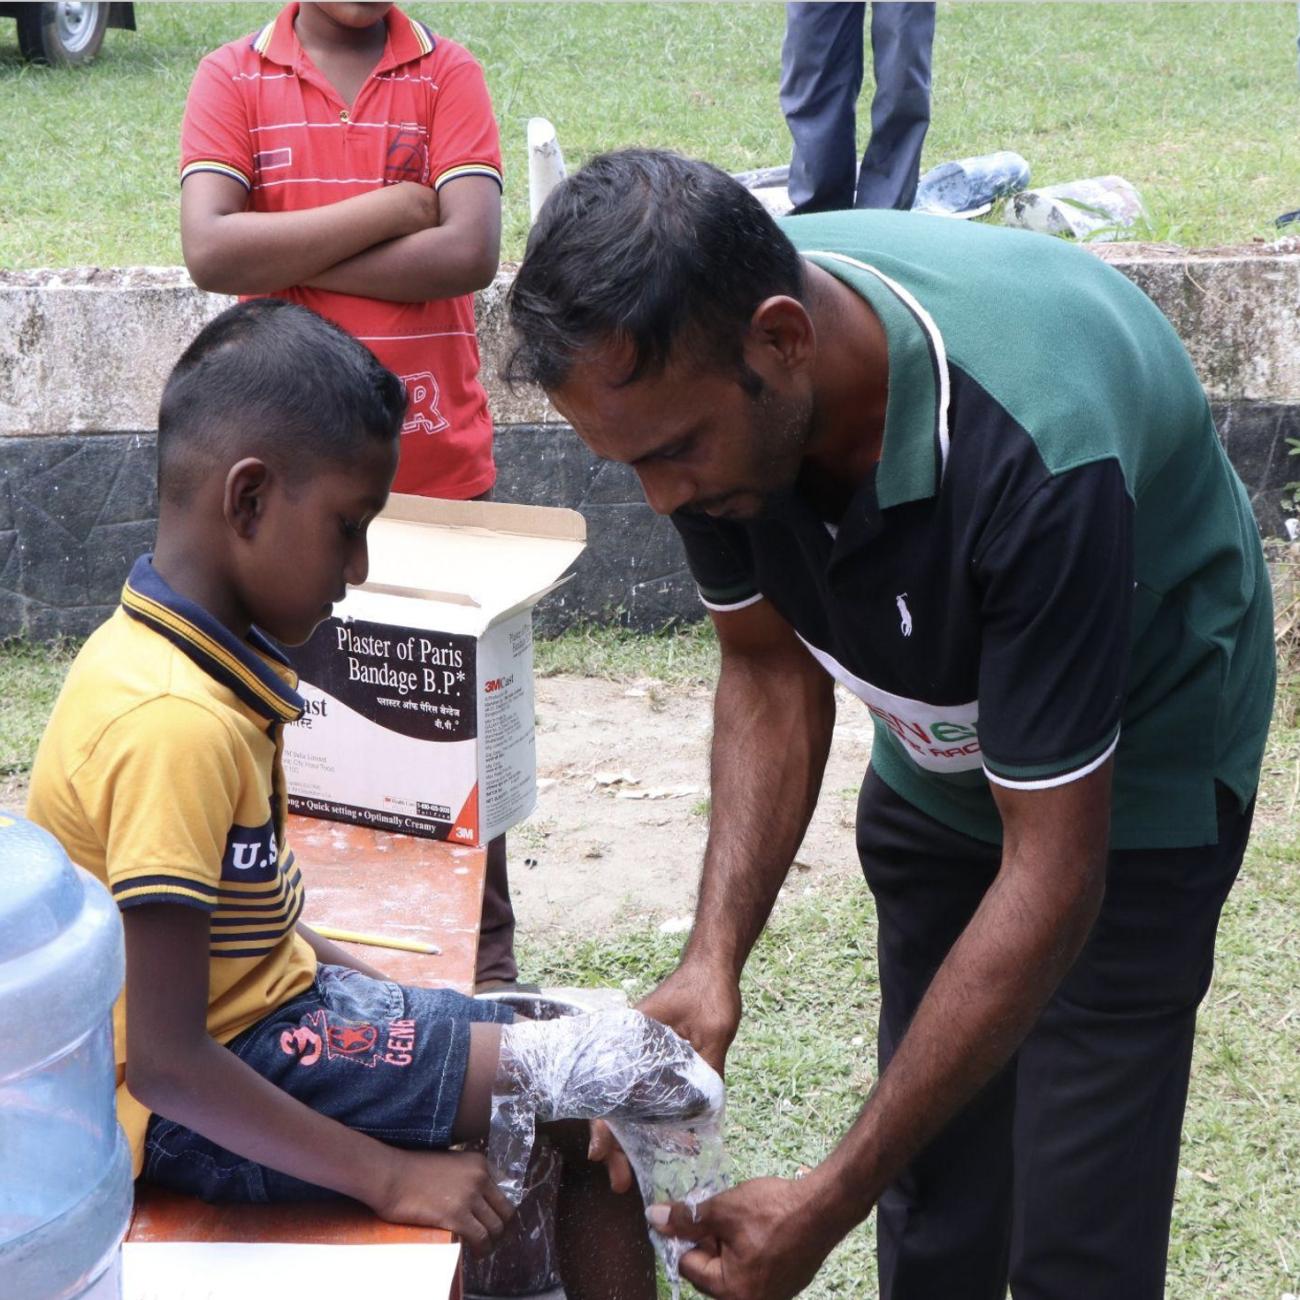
x=377, y=940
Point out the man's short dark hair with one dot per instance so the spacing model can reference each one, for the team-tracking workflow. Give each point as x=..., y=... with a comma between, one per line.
x=644, y=247
x=275, y=380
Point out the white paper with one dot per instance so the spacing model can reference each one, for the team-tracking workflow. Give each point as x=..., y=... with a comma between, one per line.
x=198, y=1270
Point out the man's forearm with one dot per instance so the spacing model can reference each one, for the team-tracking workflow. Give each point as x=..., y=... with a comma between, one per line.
x=437, y=263
x=771, y=735
x=982, y=1003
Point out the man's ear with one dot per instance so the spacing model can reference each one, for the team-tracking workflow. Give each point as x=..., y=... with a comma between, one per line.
x=781, y=333
x=244, y=501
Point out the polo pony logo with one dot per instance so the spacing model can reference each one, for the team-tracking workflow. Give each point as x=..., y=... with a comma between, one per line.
x=904, y=614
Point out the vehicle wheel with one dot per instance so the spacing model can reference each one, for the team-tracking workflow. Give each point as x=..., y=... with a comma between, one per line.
x=64, y=33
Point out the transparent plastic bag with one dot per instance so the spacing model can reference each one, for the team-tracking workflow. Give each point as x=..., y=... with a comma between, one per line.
x=663, y=1102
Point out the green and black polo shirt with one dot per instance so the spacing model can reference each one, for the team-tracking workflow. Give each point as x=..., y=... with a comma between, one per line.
x=1053, y=560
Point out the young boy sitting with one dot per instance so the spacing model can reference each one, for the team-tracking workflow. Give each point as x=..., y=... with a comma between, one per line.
x=276, y=1066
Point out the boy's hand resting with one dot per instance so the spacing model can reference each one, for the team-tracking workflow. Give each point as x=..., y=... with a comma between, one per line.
x=445, y=1189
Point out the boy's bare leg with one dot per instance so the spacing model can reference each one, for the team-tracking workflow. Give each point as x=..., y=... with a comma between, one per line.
x=604, y=1247
x=475, y=1110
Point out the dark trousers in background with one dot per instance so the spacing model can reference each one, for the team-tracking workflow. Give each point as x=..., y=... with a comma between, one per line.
x=821, y=76
x=496, y=936
x=1059, y=1176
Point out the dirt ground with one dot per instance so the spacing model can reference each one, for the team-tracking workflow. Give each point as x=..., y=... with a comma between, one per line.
x=621, y=814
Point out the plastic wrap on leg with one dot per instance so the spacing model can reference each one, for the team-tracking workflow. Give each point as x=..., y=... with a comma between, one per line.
x=663, y=1101
x=682, y=1160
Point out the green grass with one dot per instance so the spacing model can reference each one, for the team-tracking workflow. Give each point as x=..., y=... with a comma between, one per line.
x=30, y=677
x=678, y=656
x=1196, y=104
x=804, y=1058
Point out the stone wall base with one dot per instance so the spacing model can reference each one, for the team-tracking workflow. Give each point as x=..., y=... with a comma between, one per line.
x=76, y=510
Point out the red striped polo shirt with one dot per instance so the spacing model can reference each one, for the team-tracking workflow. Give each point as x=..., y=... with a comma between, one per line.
x=261, y=113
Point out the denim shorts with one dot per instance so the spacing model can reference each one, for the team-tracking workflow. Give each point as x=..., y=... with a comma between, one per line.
x=386, y=1059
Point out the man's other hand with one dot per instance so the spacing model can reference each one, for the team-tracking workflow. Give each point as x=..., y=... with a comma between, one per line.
x=762, y=1240
x=701, y=1005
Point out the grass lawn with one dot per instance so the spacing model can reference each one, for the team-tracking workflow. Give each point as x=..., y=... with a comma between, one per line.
x=803, y=1061
x=30, y=677
x=1196, y=104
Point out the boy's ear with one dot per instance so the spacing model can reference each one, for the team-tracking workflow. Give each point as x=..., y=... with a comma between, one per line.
x=244, y=501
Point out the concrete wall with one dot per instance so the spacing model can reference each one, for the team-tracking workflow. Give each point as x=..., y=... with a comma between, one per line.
x=85, y=354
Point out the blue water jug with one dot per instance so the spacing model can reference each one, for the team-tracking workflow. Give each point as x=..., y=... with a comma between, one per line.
x=967, y=187
x=65, y=1168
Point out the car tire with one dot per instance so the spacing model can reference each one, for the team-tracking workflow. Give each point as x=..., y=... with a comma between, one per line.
x=66, y=34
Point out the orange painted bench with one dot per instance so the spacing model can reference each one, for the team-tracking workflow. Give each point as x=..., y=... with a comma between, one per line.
x=375, y=883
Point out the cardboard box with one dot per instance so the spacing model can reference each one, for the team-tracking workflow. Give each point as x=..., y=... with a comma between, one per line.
x=419, y=690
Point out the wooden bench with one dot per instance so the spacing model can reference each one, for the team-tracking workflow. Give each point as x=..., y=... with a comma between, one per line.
x=376, y=883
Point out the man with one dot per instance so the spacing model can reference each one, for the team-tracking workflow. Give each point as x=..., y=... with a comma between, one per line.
x=970, y=474
x=821, y=75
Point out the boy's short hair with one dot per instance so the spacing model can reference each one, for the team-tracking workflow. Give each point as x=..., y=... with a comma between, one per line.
x=271, y=379
x=644, y=247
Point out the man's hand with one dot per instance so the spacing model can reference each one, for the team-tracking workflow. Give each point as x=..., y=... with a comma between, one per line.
x=703, y=1006
x=445, y=1189
x=763, y=1240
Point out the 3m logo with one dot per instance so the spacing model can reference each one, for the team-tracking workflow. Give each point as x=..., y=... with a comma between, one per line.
x=464, y=833
x=498, y=684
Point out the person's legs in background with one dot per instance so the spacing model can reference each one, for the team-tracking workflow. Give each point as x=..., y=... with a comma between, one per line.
x=496, y=938
x=821, y=75
x=902, y=38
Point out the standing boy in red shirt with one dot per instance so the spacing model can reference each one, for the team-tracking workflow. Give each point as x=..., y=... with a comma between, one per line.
x=345, y=158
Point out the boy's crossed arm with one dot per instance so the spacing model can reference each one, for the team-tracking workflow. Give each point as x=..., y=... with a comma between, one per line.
x=177, y=1069
x=401, y=243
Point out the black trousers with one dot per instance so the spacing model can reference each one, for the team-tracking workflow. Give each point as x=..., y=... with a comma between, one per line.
x=496, y=935
x=1059, y=1177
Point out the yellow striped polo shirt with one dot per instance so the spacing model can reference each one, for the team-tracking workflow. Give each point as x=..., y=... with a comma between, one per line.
x=159, y=772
